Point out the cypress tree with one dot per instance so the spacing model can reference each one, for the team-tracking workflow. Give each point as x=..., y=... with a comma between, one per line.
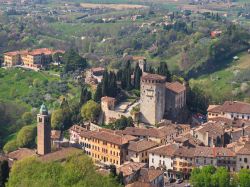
x=163, y=70
x=85, y=95
x=98, y=93
x=105, y=83
x=137, y=76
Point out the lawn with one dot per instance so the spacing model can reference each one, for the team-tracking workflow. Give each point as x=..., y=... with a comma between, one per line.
x=222, y=85
x=30, y=88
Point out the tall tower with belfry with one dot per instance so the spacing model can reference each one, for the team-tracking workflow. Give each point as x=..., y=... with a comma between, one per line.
x=43, y=131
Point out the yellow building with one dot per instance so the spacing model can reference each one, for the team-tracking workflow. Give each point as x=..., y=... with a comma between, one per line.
x=138, y=150
x=109, y=148
x=30, y=58
x=12, y=58
x=183, y=162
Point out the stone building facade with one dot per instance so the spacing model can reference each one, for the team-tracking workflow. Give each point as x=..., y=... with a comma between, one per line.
x=160, y=98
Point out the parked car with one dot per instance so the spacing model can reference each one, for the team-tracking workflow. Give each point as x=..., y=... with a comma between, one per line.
x=178, y=181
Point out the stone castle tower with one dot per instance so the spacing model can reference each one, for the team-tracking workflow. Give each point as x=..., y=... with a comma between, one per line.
x=152, y=106
x=43, y=131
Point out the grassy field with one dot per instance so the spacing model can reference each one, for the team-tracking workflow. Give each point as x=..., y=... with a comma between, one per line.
x=224, y=85
x=29, y=88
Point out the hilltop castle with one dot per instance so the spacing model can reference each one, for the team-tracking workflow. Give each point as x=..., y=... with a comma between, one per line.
x=160, y=99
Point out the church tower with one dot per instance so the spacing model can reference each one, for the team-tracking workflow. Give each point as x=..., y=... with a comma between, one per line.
x=43, y=131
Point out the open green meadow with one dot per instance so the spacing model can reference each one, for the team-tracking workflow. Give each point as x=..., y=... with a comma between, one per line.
x=231, y=83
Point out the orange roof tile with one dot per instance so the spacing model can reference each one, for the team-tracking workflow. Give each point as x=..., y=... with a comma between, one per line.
x=175, y=87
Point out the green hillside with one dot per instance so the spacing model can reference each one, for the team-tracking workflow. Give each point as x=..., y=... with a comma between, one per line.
x=231, y=83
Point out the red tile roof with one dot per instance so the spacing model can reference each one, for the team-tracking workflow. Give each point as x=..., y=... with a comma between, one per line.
x=148, y=175
x=112, y=137
x=141, y=145
x=130, y=167
x=154, y=77
x=175, y=87
x=232, y=107
x=165, y=150
x=60, y=155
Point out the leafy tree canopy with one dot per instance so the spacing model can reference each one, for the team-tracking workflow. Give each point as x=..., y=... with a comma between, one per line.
x=78, y=170
x=90, y=110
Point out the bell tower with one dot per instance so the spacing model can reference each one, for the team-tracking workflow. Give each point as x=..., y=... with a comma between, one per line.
x=43, y=131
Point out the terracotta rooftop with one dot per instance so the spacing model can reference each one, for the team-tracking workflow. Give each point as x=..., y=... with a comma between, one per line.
x=192, y=140
x=175, y=87
x=21, y=153
x=55, y=134
x=45, y=51
x=107, y=99
x=98, y=69
x=184, y=152
x=213, y=152
x=165, y=150
x=245, y=150
x=213, y=129
x=87, y=134
x=148, y=175
x=60, y=155
x=112, y=137
x=78, y=129
x=232, y=107
x=152, y=132
x=154, y=77
x=141, y=145
x=130, y=168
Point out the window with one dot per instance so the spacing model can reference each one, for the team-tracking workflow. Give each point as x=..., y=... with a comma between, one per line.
x=152, y=160
x=245, y=160
x=239, y=159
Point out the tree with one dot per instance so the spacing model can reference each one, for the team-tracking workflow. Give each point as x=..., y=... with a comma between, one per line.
x=197, y=101
x=27, y=117
x=126, y=76
x=202, y=177
x=221, y=178
x=26, y=136
x=76, y=170
x=66, y=113
x=137, y=76
x=98, y=93
x=4, y=172
x=163, y=70
x=73, y=61
x=10, y=146
x=90, y=110
x=85, y=95
x=244, y=178
x=57, y=119
x=122, y=123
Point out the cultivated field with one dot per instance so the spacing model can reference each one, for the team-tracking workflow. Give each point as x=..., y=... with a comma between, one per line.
x=113, y=6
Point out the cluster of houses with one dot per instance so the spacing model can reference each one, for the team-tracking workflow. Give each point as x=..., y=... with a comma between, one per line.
x=172, y=150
